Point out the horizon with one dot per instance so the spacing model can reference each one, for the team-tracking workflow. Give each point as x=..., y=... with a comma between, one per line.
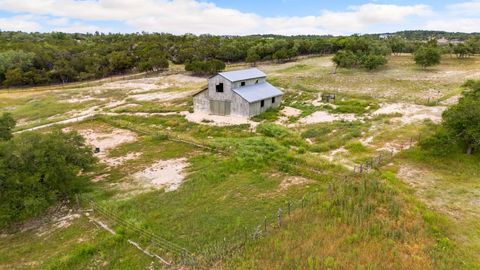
x=240, y=18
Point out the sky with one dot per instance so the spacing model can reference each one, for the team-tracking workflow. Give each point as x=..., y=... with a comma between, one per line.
x=239, y=17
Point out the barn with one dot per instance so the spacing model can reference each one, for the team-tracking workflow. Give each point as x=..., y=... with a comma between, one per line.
x=241, y=93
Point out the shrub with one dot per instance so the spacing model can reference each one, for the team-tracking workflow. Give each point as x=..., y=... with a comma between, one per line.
x=355, y=147
x=439, y=144
x=273, y=130
x=316, y=132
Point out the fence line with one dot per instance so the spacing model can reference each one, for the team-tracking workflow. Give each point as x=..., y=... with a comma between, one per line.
x=180, y=254
x=379, y=159
x=237, y=241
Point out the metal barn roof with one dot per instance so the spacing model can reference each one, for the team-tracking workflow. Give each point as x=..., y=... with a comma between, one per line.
x=244, y=74
x=256, y=92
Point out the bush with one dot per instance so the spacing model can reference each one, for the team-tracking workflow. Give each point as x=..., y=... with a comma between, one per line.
x=439, y=144
x=355, y=147
x=273, y=130
x=316, y=132
x=39, y=169
x=269, y=115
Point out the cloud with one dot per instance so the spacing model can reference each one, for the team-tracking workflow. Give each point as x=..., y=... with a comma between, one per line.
x=193, y=16
x=24, y=23
x=467, y=25
x=471, y=8
x=58, y=21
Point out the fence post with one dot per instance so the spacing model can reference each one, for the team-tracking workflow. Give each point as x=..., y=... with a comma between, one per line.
x=279, y=215
x=289, y=207
x=361, y=168
x=265, y=223
x=246, y=234
x=77, y=201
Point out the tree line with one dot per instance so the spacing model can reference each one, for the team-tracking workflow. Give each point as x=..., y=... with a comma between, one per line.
x=46, y=58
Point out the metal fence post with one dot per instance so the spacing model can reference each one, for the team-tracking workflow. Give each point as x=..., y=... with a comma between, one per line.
x=265, y=223
x=279, y=216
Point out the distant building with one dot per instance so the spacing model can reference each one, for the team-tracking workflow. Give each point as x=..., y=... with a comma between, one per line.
x=242, y=93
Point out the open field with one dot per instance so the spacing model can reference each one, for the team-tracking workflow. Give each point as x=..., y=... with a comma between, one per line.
x=201, y=182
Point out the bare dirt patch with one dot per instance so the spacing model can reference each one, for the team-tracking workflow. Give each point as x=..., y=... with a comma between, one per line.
x=287, y=112
x=162, y=96
x=186, y=78
x=81, y=99
x=167, y=174
x=217, y=120
x=117, y=161
x=107, y=141
x=325, y=117
x=290, y=111
x=290, y=181
x=56, y=218
x=412, y=113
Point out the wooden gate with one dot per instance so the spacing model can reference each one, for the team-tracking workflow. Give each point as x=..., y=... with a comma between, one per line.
x=220, y=107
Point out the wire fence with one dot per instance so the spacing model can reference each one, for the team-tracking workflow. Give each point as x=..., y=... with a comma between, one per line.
x=228, y=246
x=382, y=157
x=176, y=253
x=243, y=235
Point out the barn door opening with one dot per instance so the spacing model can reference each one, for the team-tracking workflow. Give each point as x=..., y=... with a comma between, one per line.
x=220, y=107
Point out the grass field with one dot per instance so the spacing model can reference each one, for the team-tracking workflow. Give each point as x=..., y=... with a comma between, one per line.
x=416, y=212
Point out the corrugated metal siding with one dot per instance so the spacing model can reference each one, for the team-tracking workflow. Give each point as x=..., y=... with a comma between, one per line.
x=227, y=88
x=240, y=106
x=201, y=103
x=248, y=82
x=220, y=107
x=256, y=109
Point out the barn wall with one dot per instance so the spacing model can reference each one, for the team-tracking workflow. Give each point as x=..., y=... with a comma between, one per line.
x=201, y=103
x=239, y=106
x=227, y=88
x=248, y=82
x=256, y=109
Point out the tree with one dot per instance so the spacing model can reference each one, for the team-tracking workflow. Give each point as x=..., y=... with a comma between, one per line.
x=463, y=119
x=252, y=57
x=63, y=70
x=39, y=169
x=397, y=45
x=427, y=56
x=120, y=61
x=7, y=123
x=373, y=61
x=205, y=67
x=345, y=59
x=14, y=77
x=15, y=59
x=281, y=55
